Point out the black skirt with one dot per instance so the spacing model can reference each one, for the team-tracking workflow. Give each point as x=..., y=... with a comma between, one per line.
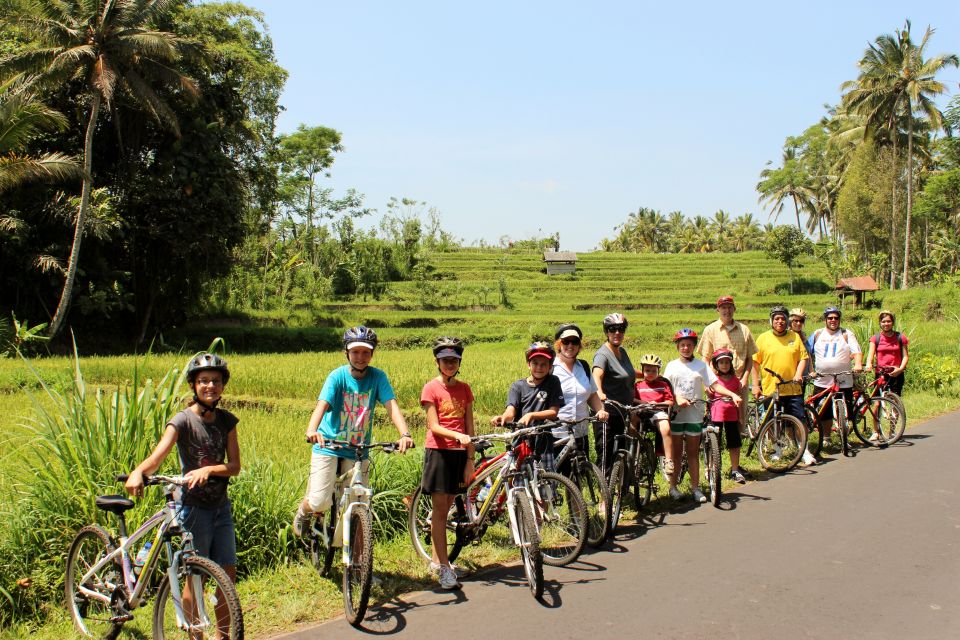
x=443, y=471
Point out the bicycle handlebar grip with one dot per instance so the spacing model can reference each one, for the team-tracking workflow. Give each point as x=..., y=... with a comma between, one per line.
x=123, y=477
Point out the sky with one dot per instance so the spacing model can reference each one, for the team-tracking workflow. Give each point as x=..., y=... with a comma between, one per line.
x=521, y=119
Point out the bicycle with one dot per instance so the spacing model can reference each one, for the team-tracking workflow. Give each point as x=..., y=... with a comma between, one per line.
x=469, y=518
x=327, y=532
x=814, y=408
x=711, y=457
x=879, y=416
x=195, y=597
x=592, y=485
x=635, y=460
x=780, y=439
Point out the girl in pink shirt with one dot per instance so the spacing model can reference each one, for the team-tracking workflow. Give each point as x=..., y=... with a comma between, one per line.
x=726, y=413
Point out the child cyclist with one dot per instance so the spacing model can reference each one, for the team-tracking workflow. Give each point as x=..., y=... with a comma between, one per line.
x=448, y=460
x=690, y=377
x=206, y=440
x=726, y=413
x=344, y=411
x=537, y=397
x=655, y=389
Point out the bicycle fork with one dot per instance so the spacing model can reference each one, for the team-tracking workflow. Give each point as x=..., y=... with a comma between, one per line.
x=512, y=511
x=196, y=591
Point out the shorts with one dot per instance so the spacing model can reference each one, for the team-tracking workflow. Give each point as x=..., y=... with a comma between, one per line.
x=213, y=532
x=443, y=471
x=793, y=406
x=660, y=415
x=686, y=428
x=731, y=431
x=324, y=471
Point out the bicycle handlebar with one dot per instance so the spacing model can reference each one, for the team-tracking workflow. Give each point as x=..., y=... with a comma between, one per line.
x=640, y=407
x=336, y=445
x=181, y=481
x=510, y=435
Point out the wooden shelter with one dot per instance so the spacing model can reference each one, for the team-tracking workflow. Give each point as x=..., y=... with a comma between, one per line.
x=560, y=262
x=856, y=287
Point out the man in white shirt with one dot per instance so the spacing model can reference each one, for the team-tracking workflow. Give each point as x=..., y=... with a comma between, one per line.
x=833, y=348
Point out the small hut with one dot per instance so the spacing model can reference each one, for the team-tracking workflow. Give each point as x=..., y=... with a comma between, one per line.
x=856, y=287
x=560, y=262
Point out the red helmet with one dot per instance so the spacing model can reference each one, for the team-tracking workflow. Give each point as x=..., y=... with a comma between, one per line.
x=685, y=333
x=720, y=354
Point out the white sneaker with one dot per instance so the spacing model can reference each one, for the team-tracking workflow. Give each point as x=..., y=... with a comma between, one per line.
x=675, y=493
x=698, y=495
x=457, y=571
x=448, y=579
x=808, y=458
x=300, y=522
x=874, y=437
x=776, y=452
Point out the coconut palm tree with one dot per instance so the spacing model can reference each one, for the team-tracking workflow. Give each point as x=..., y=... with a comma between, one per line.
x=788, y=181
x=744, y=232
x=113, y=50
x=896, y=81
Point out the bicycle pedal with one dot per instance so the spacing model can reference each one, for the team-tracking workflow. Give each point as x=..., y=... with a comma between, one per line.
x=124, y=616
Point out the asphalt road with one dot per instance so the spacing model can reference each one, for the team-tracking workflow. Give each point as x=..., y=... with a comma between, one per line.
x=852, y=548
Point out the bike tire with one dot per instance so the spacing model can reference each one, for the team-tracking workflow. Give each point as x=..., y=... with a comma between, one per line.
x=843, y=427
x=712, y=466
x=896, y=399
x=321, y=554
x=418, y=525
x=219, y=598
x=529, y=546
x=814, y=431
x=645, y=471
x=358, y=572
x=589, y=479
x=561, y=517
x=618, y=488
x=881, y=414
x=91, y=618
x=781, y=443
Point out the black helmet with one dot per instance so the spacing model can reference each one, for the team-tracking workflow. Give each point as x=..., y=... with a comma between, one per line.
x=359, y=336
x=567, y=329
x=779, y=310
x=451, y=345
x=207, y=362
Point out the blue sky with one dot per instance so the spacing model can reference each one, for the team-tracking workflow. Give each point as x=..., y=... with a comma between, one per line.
x=516, y=118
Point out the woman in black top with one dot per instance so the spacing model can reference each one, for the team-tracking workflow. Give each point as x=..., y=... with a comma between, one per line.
x=615, y=376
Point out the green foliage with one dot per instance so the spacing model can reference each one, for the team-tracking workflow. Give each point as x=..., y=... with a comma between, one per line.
x=18, y=337
x=788, y=244
x=939, y=373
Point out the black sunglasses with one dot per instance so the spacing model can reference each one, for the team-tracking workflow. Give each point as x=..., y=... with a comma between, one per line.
x=614, y=328
x=570, y=341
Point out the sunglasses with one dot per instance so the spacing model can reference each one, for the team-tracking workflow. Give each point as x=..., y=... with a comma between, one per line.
x=829, y=318
x=617, y=328
x=798, y=321
x=569, y=341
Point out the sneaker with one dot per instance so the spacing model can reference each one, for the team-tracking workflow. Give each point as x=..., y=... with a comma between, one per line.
x=875, y=437
x=457, y=571
x=675, y=493
x=776, y=452
x=697, y=495
x=737, y=476
x=809, y=459
x=448, y=579
x=301, y=522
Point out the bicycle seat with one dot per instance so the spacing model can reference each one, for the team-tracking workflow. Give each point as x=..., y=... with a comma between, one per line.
x=114, y=504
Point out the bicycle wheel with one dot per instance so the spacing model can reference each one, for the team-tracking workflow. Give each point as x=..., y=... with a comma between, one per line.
x=358, y=573
x=206, y=598
x=318, y=541
x=880, y=415
x=561, y=517
x=898, y=401
x=814, y=431
x=529, y=546
x=418, y=524
x=618, y=488
x=781, y=443
x=92, y=616
x=644, y=472
x=712, y=466
x=589, y=479
x=840, y=421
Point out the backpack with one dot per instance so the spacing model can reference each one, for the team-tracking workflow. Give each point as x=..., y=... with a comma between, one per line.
x=586, y=368
x=875, y=339
x=813, y=343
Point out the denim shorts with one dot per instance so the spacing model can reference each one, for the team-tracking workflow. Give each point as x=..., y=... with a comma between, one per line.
x=213, y=534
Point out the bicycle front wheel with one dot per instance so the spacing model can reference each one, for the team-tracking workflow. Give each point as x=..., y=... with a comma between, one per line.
x=529, y=546
x=92, y=616
x=419, y=522
x=203, y=603
x=712, y=466
x=781, y=443
x=358, y=572
x=644, y=471
x=561, y=516
x=843, y=427
x=589, y=479
x=619, y=487
x=898, y=401
x=880, y=416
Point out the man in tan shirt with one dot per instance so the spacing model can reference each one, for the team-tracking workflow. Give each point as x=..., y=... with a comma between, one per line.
x=729, y=334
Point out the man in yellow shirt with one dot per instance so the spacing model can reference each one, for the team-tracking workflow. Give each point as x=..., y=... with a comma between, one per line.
x=781, y=350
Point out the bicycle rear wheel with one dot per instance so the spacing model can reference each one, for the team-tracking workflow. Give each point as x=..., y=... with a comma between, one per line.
x=589, y=479
x=814, y=432
x=619, y=487
x=781, y=443
x=529, y=546
x=418, y=524
x=358, y=572
x=712, y=466
x=319, y=539
x=92, y=617
x=208, y=600
x=561, y=516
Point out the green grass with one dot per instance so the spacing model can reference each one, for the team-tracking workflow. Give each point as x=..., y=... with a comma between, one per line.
x=274, y=393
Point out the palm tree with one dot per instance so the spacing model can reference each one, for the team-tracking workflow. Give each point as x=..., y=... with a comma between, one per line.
x=744, y=232
x=788, y=181
x=721, y=228
x=111, y=48
x=22, y=117
x=896, y=81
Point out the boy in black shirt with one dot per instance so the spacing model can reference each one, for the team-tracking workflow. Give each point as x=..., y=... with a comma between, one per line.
x=539, y=396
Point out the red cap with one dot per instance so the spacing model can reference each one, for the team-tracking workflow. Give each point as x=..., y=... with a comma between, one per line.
x=539, y=352
x=724, y=300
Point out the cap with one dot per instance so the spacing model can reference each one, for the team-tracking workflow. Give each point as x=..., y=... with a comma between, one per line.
x=724, y=300
x=448, y=353
x=569, y=333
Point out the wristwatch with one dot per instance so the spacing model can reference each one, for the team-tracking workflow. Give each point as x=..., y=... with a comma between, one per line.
x=406, y=434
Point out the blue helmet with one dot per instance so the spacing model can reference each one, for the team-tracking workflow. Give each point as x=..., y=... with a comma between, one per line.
x=359, y=336
x=830, y=310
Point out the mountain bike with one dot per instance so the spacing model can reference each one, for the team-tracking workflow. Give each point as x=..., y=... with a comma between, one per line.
x=195, y=597
x=348, y=527
x=508, y=490
x=779, y=438
x=814, y=408
x=590, y=481
x=879, y=416
x=635, y=459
